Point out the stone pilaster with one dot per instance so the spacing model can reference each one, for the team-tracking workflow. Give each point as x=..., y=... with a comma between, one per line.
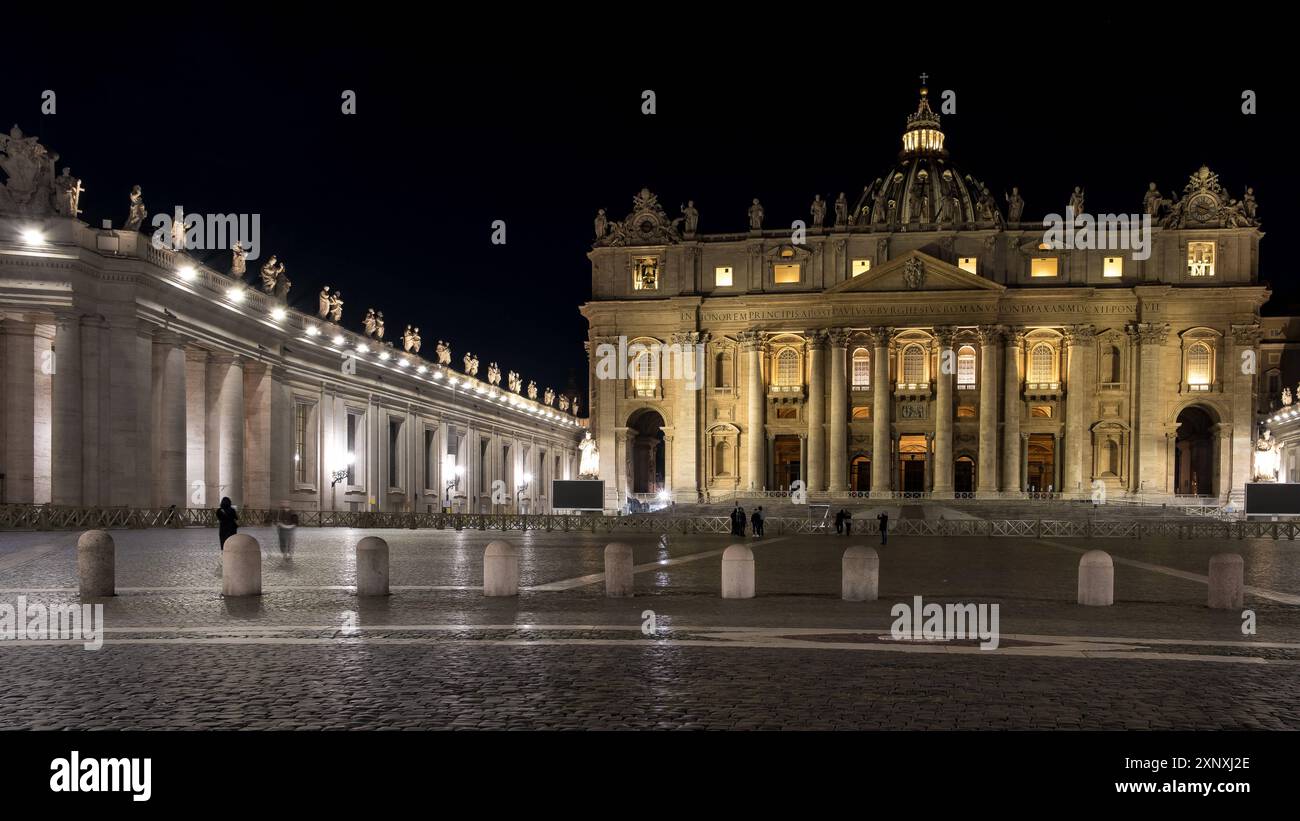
x=943, y=464
x=169, y=404
x=128, y=456
x=1151, y=338
x=815, y=467
x=882, y=466
x=196, y=427
x=839, y=426
x=751, y=343
x=67, y=442
x=1013, y=360
x=1080, y=354
x=987, y=470
x=682, y=453
x=21, y=368
x=1239, y=381
x=226, y=435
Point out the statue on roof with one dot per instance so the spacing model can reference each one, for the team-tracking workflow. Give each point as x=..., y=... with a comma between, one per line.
x=69, y=194
x=336, y=307
x=532, y=389
x=370, y=323
x=548, y=398
x=29, y=188
x=444, y=353
x=324, y=310
x=237, y=264
x=270, y=273
x=135, y=216
x=691, y=215
x=1076, y=201
x=494, y=374
x=756, y=216
x=818, y=211
x=471, y=364
x=841, y=210
x=1152, y=200
x=1015, y=205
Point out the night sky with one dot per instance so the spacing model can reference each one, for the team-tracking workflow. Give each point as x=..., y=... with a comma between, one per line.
x=394, y=206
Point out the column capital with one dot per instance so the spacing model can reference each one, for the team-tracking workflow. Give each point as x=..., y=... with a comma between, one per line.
x=880, y=335
x=943, y=334
x=193, y=354
x=225, y=358
x=1014, y=335
x=1149, y=333
x=1246, y=334
x=168, y=339
x=750, y=340
x=1078, y=335
x=815, y=338
x=989, y=335
x=839, y=337
x=690, y=337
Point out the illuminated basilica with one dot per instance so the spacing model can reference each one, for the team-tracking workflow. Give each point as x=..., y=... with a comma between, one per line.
x=924, y=339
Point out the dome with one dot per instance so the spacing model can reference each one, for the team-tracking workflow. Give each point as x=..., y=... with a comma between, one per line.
x=923, y=189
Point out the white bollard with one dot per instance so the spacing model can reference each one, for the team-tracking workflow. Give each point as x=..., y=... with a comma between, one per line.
x=97, y=564
x=372, y=567
x=618, y=569
x=501, y=569
x=861, y=574
x=1096, y=579
x=738, y=572
x=1227, y=581
x=241, y=566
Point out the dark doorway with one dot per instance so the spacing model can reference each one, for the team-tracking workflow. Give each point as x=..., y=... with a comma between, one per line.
x=647, y=451
x=1194, y=470
x=860, y=474
x=1042, y=463
x=912, y=452
x=963, y=475
x=786, y=460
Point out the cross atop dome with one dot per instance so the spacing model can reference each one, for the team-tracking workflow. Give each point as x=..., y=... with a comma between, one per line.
x=922, y=135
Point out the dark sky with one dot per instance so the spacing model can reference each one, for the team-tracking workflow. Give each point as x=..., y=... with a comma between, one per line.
x=395, y=205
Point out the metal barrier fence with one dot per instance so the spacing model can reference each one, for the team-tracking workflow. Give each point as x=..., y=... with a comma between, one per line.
x=50, y=517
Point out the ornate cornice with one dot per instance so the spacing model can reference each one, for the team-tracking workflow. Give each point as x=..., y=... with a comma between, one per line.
x=1246, y=334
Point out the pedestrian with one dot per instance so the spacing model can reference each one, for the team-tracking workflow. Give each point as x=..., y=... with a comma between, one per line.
x=883, y=519
x=735, y=519
x=740, y=521
x=171, y=519
x=227, y=521
x=839, y=521
x=757, y=521
x=848, y=523
x=286, y=522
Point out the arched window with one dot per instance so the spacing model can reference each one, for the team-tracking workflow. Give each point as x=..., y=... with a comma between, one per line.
x=722, y=370
x=966, y=367
x=913, y=364
x=861, y=368
x=722, y=459
x=644, y=374
x=787, y=367
x=1200, y=370
x=1042, y=361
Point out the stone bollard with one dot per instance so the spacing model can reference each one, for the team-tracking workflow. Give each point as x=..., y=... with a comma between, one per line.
x=372, y=567
x=241, y=567
x=738, y=572
x=618, y=569
x=501, y=569
x=861, y=574
x=1227, y=581
x=1096, y=579
x=97, y=564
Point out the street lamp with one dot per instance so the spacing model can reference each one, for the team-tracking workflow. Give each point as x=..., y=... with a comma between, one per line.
x=528, y=478
x=342, y=473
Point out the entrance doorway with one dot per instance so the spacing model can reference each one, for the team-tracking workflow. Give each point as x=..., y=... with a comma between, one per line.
x=1194, y=454
x=963, y=475
x=647, y=451
x=1042, y=463
x=860, y=474
x=786, y=461
x=911, y=463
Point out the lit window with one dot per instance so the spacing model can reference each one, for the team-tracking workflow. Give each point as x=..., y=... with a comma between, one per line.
x=1113, y=267
x=301, y=412
x=965, y=411
x=1200, y=259
x=969, y=264
x=394, y=453
x=643, y=374
x=787, y=253
x=1041, y=411
x=862, y=412
x=913, y=364
x=722, y=276
x=787, y=367
x=352, y=448
x=861, y=266
x=786, y=274
x=966, y=367
x=1042, y=360
x=645, y=274
x=1042, y=267
x=861, y=368
x=1199, y=365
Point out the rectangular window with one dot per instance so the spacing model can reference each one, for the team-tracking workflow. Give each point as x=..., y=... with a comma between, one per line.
x=722, y=276
x=968, y=264
x=301, y=413
x=1112, y=267
x=786, y=274
x=1042, y=267
x=482, y=460
x=428, y=457
x=862, y=412
x=645, y=274
x=394, y=452
x=861, y=266
x=1200, y=259
x=352, y=448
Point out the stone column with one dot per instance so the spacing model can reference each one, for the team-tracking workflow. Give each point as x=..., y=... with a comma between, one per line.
x=94, y=405
x=169, y=403
x=226, y=373
x=20, y=385
x=987, y=483
x=682, y=453
x=881, y=402
x=751, y=343
x=1058, y=464
x=66, y=442
x=1012, y=405
x=196, y=427
x=815, y=468
x=1151, y=338
x=839, y=476
x=942, y=461
x=128, y=455
x=1242, y=389
x=1078, y=396
x=258, y=442
x=770, y=480
x=1024, y=461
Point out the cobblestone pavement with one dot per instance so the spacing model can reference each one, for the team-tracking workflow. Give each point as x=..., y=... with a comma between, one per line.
x=436, y=654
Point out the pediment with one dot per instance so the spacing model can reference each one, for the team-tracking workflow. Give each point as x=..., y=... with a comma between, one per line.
x=915, y=271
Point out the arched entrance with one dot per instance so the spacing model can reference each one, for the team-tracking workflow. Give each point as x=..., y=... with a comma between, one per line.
x=963, y=475
x=1194, y=469
x=1040, y=463
x=647, y=446
x=912, y=452
x=860, y=474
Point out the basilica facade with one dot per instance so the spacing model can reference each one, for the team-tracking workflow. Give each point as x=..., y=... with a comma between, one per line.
x=925, y=339
x=135, y=376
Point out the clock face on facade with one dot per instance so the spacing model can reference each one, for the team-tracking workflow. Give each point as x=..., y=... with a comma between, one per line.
x=1203, y=209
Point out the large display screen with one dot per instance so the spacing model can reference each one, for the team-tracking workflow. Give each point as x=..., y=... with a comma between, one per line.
x=1272, y=498
x=578, y=494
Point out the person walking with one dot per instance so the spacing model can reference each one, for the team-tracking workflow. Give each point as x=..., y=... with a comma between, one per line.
x=227, y=521
x=736, y=517
x=883, y=520
x=757, y=521
x=848, y=523
x=839, y=521
x=286, y=522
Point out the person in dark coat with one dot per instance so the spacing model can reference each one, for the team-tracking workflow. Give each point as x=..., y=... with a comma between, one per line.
x=848, y=523
x=757, y=521
x=227, y=521
x=883, y=519
x=839, y=521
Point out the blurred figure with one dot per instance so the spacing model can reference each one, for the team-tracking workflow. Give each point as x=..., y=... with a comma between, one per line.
x=227, y=521
x=757, y=521
x=883, y=519
x=286, y=522
x=839, y=521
